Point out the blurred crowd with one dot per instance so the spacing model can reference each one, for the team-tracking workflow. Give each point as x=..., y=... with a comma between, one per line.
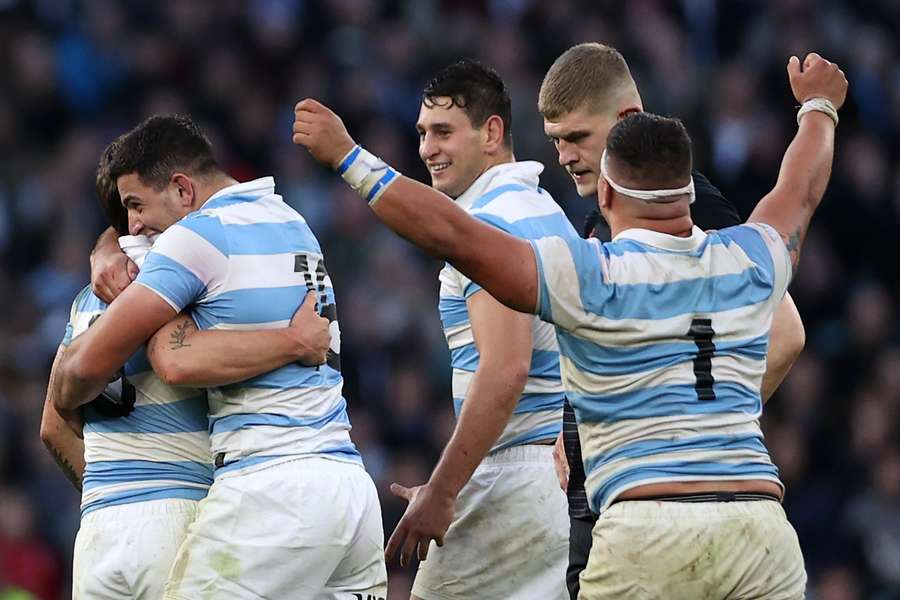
x=76, y=73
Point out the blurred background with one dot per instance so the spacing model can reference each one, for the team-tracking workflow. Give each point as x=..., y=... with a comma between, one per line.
x=76, y=73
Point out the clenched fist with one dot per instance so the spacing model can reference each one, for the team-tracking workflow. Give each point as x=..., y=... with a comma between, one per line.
x=817, y=78
x=322, y=132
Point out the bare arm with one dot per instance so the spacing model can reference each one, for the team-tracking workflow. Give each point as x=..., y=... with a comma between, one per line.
x=504, y=341
x=503, y=338
x=806, y=166
x=786, y=341
x=96, y=354
x=62, y=435
x=185, y=356
x=504, y=265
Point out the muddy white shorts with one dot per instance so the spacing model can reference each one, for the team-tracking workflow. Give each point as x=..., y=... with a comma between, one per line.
x=510, y=535
x=307, y=528
x=125, y=552
x=683, y=551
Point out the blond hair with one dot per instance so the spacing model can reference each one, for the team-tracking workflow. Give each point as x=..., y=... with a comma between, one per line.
x=589, y=74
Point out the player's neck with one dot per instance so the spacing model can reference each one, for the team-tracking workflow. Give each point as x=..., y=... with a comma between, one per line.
x=682, y=226
x=501, y=158
x=207, y=187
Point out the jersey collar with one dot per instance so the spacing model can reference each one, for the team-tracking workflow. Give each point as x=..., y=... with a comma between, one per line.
x=257, y=187
x=664, y=240
x=526, y=172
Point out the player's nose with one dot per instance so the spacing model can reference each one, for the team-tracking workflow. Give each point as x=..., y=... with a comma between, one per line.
x=135, y=227
x=427, y=146
x=566, y=155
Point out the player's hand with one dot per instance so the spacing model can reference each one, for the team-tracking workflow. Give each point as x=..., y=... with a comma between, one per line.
x=427, y=518
x=322, y=132
x=310, y=332
x=111, y=270
x=817, y=78
x=561, y=463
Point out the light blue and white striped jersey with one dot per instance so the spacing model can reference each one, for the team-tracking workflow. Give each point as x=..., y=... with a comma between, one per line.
x=663, y=346
x=245, y=260
x=507, y=196
x=159, y=450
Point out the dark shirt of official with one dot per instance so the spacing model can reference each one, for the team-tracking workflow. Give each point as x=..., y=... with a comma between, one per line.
x=711, y=210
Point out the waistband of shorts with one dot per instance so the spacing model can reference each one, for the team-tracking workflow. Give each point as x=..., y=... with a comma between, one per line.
x=668, y=511
x=526, y=453
x=137, y=510
x=249, y=467
x=705, y=497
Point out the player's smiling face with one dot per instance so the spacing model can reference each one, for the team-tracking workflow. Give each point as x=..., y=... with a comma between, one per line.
x=451, y=148
x=152, y=211
x=580, y=137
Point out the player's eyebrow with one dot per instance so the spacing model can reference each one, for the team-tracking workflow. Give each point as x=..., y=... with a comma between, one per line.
x=570, y=136
x=130, y=199
x=438, y=126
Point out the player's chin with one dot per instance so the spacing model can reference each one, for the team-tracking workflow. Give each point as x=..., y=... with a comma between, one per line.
x=588, y=191
x=444, y=186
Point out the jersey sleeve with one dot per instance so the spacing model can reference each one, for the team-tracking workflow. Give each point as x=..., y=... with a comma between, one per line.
x=564, y=268
x=765, y=247
x=188, y=261
x=73, y=312
x=85, y=309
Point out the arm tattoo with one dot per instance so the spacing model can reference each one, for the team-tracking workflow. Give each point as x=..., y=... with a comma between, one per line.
x=67, y=469
x=178, y=337
x=792, y=242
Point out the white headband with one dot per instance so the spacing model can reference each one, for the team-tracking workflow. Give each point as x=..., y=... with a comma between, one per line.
x=656, y=196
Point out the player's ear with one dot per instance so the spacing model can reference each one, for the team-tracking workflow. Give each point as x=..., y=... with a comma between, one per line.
x=185, y=189
x=604, y=194
x=493, y=130
x=628, y=111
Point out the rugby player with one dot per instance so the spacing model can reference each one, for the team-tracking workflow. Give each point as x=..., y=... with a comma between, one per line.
x=237, y=257
x=584, y=93
x=662, y=334
x=494, y=486
x=140, y=452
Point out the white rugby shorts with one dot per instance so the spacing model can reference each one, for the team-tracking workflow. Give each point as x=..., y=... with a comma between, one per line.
x=509, y=537
x=125, y=552
x=683, y=551
x=308, y=528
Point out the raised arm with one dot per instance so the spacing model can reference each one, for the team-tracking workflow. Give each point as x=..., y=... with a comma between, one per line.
x=502, y=264
x=182, y=355
x=62, y=435
x=806, y=166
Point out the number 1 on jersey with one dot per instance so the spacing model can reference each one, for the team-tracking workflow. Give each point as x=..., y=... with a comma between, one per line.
x=702, y=333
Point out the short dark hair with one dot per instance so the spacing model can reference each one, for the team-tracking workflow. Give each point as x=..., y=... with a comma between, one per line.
x=652, y=148
x=108, y=191
x=160, y=146
x=474, y=88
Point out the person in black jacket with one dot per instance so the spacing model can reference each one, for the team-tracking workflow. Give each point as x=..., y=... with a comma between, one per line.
x=586, y=91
